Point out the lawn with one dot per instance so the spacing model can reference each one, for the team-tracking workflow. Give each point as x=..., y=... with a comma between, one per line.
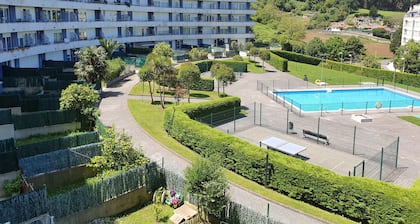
x=253, y=66
x=393, y=15
x=41, y=138
x=142, y=88
x=150, y=118
x=411, y=119
x=146, y=215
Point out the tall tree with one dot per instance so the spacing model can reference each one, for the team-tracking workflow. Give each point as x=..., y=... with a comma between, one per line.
x=407, y=58
x=355, y=47
x=110, y=46
x=146, y=75
x=223, y=74
x=83, y=99
x=396, y=40
x=264, y=54
x=92, y=66
x=315, y=48
x=207, y=182
x=370, y=61
x=162, y=73
x=188, y=73
x=333, y=47
x=163, y=49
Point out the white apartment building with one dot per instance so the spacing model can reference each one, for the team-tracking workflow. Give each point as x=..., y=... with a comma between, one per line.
x=411, y=25
x=32, y=31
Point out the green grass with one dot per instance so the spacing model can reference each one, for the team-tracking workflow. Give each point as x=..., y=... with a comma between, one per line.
x=411, y=119
x=254, y=67
x=416, y=185
x=393, y=15
x=142, y=88
x=146, y=215
x=41, y=138
x=150, y=118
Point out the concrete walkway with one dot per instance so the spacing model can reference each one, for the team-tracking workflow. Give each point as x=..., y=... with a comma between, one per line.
x=114, y=111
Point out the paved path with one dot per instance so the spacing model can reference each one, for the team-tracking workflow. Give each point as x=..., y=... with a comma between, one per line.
x=114, y=111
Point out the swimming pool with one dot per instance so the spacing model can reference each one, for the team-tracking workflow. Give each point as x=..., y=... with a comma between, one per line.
x=346, y=99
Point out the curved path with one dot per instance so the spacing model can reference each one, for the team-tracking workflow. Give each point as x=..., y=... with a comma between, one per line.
x=114, y=111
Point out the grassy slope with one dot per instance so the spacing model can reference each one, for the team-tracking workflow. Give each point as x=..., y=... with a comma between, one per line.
x=150, y=118
x=386, y=14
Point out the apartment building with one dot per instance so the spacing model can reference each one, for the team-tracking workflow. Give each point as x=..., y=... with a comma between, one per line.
x=32, y=31
x=411, y=25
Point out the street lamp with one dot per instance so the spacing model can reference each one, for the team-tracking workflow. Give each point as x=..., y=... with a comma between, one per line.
x=350, y=57
x=341, y=60
x=403, y=60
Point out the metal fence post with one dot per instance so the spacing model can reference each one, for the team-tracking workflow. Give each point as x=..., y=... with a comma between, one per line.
x=287, y=121
x=354, y=139
x=268, y=213
x=389, y=109
x=396, y=154
x=382, y=160
x=412, y=106
x=342, y=108
x=354, y=171
x=317, y=136
x=363, y=168
x=366, y=107
x=322, y=107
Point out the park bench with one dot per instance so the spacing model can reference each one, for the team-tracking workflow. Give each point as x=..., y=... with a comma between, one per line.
x=315, y=136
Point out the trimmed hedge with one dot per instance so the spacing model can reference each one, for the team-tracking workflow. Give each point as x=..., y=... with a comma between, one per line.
x=361, y=199
x=204, y=84
x=278, y=62
x=237, y=66
x=45, y=118
x=400, y=77
x=292, y=56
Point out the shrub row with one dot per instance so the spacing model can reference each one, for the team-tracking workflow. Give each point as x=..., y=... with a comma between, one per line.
x=237, y=66
x=115, y=67
x=44, y=118
x=204, y=84
x=56, y=144
x=278, y=62
x=361, y=199
x=400, y=77
x=292, y=56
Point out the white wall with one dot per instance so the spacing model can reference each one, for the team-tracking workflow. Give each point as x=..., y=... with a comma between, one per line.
x=137, y=16
x=29, y=62
x=161, y=16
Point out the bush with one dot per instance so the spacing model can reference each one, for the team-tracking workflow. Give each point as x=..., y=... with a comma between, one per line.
x=381, y=32
x=237, y=66
x=115, y=67
x=291, y=56
x=278, y=62
x=237, y=58
x=361, y=199
x=204, y=84
x=11, y=187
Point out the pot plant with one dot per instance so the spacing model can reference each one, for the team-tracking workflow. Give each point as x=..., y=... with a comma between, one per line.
x=12, y=187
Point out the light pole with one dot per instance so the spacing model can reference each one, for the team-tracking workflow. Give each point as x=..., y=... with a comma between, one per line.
x=351, y=56
x=341, y=60
x=322, y=70
x=403, y=60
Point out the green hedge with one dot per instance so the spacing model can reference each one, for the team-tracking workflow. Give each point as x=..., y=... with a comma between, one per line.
x=292, y=56
x=237, y=66
x=44, y=118
x=5, y=116
x=361, y=199
x=132, y=50
x=7, y=101
x=115, y=67
x=204, y=84
x=34, y=104
x=58, y=64
x=278, y=62
x=400, y=77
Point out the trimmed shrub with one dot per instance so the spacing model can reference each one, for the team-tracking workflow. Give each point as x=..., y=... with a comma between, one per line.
x=278, y=62
x=237, y=66
x=204, y=84
x=291, y=56
x=115, y=67
x=361, y=199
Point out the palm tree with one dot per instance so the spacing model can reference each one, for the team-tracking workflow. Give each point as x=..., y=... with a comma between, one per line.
x=110, y=46
x=92, y=65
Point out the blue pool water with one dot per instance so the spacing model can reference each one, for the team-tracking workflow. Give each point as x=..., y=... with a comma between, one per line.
x=349, y=99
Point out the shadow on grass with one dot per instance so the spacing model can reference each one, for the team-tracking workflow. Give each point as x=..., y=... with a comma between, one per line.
x=199, y=95
x=157, y=102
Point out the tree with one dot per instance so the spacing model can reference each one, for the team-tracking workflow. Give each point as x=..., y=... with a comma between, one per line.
x=234, y=46
x=117, y=153
x=333, y=47
x=206, y=181
x=83, y=99
x=162, y=73
x=315, y=48
x=396, y=40
x=248, y=46
x=373, y=11
x=370, y=61
x=91, y=66
x=407, y=57
x=264, y=54
x=355, y=47
x=292, y=28
x=222, y=73
x=110, y=46
x=163, y=49
x=188, y=73
x=253, y=52
x=146, y=75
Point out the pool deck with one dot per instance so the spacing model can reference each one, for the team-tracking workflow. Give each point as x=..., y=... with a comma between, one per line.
x=384, y=123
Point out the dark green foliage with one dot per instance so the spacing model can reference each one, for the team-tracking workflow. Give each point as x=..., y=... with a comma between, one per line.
x=58, y=64
x=7, y=101
x=278, y=62
x=237, y=66
x=291, y=56
x=396, y=40
x=361, y=199
x=5, y=117
x=204, y=84
x=381, y=32
x=198, y=110
x=132, y=50
x=37, y=103
x=56, y=144
x=44, y=118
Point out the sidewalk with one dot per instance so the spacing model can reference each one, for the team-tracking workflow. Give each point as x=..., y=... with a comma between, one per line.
x=114, y=111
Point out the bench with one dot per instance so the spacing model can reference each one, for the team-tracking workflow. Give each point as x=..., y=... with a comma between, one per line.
x=316, y=136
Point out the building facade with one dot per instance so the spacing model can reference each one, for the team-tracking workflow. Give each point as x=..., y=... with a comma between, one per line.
x=411, y=25
x=32, y=31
